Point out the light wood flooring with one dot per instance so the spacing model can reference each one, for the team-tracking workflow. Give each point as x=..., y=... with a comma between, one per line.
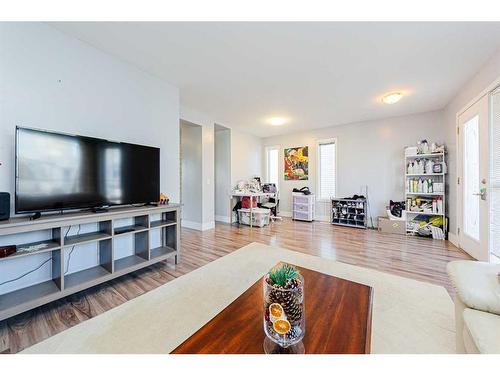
x=416, y=258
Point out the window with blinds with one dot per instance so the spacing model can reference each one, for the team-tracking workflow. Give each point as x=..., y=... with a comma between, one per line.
x=494, y=190
x=272, y=157
x=327, y=169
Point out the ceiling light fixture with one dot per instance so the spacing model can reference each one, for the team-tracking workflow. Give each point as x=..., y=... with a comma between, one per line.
x=392, y=98
x=277, y=121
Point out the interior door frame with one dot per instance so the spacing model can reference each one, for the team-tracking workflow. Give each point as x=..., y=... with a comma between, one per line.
x=485, y=92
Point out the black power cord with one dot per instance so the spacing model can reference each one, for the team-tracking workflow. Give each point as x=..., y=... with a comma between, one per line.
x=44, y=262
x=72, y=249
x=27, y=273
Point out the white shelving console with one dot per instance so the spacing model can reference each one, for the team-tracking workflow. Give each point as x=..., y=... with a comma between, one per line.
x=109, y=226
x=435, y=177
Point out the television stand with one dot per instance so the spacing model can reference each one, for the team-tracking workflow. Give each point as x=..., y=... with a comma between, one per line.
x=110, y=245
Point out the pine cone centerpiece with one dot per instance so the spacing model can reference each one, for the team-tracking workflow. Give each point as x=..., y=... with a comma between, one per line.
x=287, y=291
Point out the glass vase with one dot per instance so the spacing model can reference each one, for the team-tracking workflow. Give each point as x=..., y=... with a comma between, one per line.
x=284, y=313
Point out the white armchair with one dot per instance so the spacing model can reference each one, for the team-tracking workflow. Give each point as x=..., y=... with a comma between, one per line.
x=477, y=306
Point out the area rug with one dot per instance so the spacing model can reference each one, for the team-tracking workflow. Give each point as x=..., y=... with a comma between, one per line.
x=408, y=316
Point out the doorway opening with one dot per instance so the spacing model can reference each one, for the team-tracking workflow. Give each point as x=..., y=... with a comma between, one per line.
x=222, y=160
x=191, y=174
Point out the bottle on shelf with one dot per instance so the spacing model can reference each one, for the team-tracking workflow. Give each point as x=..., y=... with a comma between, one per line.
x=439, y=205
x=428, y=166
x=425, y=147
x=418, y=166
x=410, y=169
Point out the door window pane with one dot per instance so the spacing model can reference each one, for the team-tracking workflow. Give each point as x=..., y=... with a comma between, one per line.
x=471, y=178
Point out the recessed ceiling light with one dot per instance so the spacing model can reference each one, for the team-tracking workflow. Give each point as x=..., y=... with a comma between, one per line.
x=392, y=98
x=277, y=121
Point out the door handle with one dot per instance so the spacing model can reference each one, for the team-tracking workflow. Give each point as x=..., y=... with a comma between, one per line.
x=482, y=194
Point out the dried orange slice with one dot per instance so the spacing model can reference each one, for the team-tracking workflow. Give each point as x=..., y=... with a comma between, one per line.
x=275, y=310
x=282, y=326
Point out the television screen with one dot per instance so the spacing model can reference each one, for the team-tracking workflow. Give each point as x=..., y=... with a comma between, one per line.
x=59, y=171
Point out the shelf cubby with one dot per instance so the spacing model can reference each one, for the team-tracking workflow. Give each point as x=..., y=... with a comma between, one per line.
x=25, y=296
x=102, y=233
x=128, y=229
x=51, y=241
x=162, y=251
x=141, y=223
x=17, y=299
x=51, y=245
x=84, y=278
x=162, y=223
x=166, y=219
x=80, y=239
x=127, y=262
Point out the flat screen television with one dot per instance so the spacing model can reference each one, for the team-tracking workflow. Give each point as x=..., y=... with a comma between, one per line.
x=57, y=171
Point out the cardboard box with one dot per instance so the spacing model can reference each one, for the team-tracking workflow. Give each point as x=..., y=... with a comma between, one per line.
x=391, y=226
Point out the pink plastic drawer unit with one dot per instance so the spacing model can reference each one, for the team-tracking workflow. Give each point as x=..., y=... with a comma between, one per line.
x=303, y=207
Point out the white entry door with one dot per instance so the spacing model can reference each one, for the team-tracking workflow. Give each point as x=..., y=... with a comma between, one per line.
x=473, y=173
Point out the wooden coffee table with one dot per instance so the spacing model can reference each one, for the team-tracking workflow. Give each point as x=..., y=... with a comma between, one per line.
x=338, y=320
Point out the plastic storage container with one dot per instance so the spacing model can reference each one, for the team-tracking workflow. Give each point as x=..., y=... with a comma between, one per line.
x=260, y=216
x=303, y=207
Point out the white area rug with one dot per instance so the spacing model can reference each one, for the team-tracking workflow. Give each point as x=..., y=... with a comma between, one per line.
x=408, y=316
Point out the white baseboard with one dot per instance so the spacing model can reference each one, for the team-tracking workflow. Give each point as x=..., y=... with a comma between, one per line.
x=322, y=218
x=209, y=225
x=222, y=219
x=197, y=226
x=318, y=217
x=453, y=238
x=191, y=224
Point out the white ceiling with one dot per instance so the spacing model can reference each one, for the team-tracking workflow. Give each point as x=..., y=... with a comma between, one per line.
x=315, y=74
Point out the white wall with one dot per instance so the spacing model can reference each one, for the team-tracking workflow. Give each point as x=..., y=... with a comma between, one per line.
x=368, y=153
x=222, y=173
x=191, y=174
x=246, y=159
x=55, y=82
x=488, y=74
x=207, y=124
x=51, y=81
x=246, y=156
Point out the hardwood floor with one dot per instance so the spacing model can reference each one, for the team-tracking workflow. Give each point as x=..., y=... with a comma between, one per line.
x=416, y=258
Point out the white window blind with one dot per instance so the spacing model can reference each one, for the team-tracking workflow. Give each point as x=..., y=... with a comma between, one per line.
x=327, y=169
x=494, y=189
x=273, y=165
